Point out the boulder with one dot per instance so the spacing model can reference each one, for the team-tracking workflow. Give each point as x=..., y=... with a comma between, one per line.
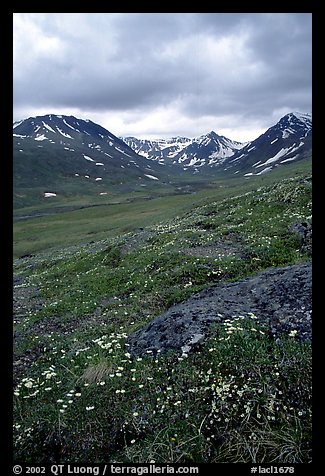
x=281, y=298
x=305, y=233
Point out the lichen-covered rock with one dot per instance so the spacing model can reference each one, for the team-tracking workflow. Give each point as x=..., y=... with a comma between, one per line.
x=304, y=231
x=281, y=298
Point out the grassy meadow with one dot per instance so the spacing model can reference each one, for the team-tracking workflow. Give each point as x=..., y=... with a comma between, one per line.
x=87, y=278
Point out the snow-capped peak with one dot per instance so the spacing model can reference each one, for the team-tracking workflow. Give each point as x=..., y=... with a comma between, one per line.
x=303, y=116
x=205, y=149
x=294, y=118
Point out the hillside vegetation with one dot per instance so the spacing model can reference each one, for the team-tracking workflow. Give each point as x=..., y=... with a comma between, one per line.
x=80, y=396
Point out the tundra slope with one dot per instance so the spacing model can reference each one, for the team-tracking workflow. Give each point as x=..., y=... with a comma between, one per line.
x=242, y=397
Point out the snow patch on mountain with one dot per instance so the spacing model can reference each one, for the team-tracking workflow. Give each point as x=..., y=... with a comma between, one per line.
x=152, y=177
x=48, y=127
x=281, y=153
x=88, y=158
x=69, y=125
x=17, y=123
x=64, y=134
x=41, y=137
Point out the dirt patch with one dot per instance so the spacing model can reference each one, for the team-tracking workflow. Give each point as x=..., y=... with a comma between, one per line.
x=136, y=241
x=217, y=250
x=26, y=299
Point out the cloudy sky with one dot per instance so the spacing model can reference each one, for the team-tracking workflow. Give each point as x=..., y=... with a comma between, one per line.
x=153, y=75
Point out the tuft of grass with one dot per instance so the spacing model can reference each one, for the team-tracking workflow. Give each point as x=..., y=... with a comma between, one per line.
x=95, y=374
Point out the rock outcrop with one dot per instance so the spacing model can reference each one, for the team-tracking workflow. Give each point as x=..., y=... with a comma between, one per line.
x=304, y=231
x=281, y=298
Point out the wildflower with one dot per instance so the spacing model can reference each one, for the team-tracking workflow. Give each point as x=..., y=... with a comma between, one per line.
x=90, y=408
x=78, y=394
x=135, y=414
x=293, y=333
x=132, y=441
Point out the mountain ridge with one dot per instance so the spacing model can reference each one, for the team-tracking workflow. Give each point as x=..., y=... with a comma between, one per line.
x=59, y=154
x=62, y=154
x=288, y=140
x=293, y=131
x=185, y=151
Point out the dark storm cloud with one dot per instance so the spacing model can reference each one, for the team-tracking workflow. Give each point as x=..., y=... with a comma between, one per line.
x=272, y=70
x=204, y=64
x=97, y=68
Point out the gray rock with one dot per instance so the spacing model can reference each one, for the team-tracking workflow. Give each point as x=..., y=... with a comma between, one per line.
x=304, y=231
x=280, y=298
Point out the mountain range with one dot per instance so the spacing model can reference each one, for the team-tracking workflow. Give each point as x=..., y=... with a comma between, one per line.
x=208, y=149
x=57, y=154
